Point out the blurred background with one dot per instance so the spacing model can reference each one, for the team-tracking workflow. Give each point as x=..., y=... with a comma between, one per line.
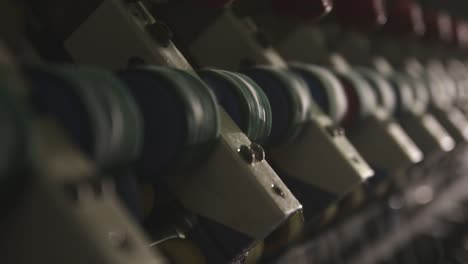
x=234, y=131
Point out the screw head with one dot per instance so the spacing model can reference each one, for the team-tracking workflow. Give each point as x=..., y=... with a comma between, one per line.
x=258, y=151
x=253, y=153
x=335, y=131
x=278, y=191
x=247, y=153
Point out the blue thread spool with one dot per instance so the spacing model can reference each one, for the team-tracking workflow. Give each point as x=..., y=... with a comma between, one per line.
x=289, y=100
x=99, y=117
x=180, y=116
x=243, y=100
